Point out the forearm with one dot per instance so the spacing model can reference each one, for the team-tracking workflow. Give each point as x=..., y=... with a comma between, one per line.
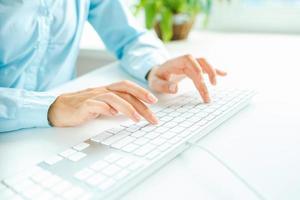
x=23, y=109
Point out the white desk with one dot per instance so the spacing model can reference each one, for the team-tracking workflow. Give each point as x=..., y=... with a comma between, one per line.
x=261, y=143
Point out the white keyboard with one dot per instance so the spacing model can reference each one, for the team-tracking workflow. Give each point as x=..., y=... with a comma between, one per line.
x=112, y=162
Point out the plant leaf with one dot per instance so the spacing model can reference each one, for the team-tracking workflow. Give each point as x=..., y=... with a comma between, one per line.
x=166, y=24
x=150, y=14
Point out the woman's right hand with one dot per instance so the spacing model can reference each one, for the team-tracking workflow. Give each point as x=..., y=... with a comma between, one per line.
x=126, y=97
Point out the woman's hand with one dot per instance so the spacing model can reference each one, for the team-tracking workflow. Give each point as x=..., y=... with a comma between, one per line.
x=72, y=109
x=165, y=78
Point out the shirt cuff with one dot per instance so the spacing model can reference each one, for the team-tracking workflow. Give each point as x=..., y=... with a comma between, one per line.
x=36, y=114
x=141, y=70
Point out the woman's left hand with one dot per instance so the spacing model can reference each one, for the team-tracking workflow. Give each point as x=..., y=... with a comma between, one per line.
x=165, y=78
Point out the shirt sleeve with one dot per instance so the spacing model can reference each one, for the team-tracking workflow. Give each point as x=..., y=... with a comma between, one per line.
x=23, y=109
x=136, y=48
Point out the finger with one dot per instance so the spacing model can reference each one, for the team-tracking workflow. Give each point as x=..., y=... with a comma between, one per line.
x=121, y=105
x=133, y=89
x=141, y=108
x=193, y=71
x=189, y=66
x=221, y=73
x=164, y=86
x=209, y=70
x=94, y=108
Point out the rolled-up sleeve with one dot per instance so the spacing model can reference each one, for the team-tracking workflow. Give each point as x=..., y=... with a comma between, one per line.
x=23, y=109
x=137, y=49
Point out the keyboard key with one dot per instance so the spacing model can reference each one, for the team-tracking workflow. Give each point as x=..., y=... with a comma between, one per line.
x=99, y=165
x=53, y=160
x=161, y=130
x=122, y=174
x=107, y=184
x=166, y=119
x=102, y=136
x=73, y=193
x=121, y=143
x=115, y=138
x=61, y=187
x=128, y=123
x=135, y=166
x=112, y=157
x=138, y=134
x=177, y=129
x=81, y=146
x=45, y=195
x=151, y=135
x=50, y=181
x=77, y=156
x=168, y=135
x=158, y=141
x=164, y=146
x=84, y=174
x=143, y=150
x=130, y=147
x=96, y=179
x=170, y=124
x=141, y=141
x=115, y=130
x=111, y=170
x=149, y=128
x=153, y=154
x=175, y=140
x=67, y=153
x=133, y=128
x=124, y=162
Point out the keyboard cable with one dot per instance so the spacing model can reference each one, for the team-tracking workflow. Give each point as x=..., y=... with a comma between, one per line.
x=231, y=170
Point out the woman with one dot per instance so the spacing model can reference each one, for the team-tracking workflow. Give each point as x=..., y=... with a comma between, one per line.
x=39, y=43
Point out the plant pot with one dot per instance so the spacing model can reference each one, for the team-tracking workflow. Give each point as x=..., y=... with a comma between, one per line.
x=182, y=25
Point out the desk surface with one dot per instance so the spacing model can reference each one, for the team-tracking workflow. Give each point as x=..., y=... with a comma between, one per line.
x=261, y=143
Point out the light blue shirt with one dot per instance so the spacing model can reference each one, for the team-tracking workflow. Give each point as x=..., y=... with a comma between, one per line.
x=39, y=44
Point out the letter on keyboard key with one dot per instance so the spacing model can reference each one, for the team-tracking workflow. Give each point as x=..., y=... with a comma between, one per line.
x=143, y=150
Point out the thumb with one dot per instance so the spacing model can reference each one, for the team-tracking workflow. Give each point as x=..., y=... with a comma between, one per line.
x=163, y=86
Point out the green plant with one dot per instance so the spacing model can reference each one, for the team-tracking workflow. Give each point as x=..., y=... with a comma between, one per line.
x=163, y=11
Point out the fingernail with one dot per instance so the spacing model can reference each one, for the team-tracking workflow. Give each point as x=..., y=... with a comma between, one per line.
x=113, y=111
x=136, y=117
x=151, y=98
x=173, y=88
x=154, y=120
